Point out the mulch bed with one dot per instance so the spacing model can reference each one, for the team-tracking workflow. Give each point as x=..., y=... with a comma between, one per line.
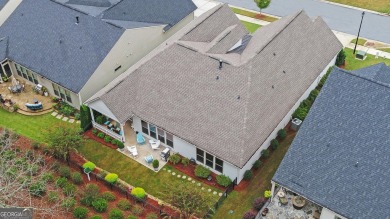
x=90, y=135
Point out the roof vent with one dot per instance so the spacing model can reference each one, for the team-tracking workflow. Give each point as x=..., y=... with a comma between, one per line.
x=274, y=54
x=217, y=77
x=77, y=20
x=60, y=41
x=238, y=97
x=273, y=87
x=284, y=71
x=220, y=64
x=81, y=47
x=21, y=14
x=356, y=164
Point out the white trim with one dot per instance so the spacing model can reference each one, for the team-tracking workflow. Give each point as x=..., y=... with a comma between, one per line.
x=107, y=131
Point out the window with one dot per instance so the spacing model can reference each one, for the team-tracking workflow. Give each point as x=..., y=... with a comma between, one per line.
x=145, y=127
x=24, y=73
x=63, y=93
x=18, y=69
x=68, y=97
x=161, y=135
x=56, y=90
x=169, y=139
x=219, y=165
x=200, y=155
x=153, y=131
x=209, y=160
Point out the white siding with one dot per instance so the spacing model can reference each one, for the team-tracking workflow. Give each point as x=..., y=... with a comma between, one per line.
x=283, y=123
x=328, y=214
x=7, y=10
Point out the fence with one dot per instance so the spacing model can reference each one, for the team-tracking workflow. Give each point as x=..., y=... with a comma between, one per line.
x=217, y=204
x=124, y=191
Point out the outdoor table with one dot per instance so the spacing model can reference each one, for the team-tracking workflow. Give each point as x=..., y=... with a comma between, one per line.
x=16, y=88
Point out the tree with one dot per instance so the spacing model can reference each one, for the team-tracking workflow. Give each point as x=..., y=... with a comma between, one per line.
x=190, y=201
x=262, y=4
x=62, y=139
x=340, y=60
x=23, y=179
x=85, y=117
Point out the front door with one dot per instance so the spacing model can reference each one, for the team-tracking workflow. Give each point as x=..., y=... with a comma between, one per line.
x=6, y=70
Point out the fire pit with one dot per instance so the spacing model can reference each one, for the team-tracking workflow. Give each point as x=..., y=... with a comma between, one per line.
x=298, y=202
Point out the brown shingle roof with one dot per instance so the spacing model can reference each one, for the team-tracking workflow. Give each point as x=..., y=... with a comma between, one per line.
x=229, y=117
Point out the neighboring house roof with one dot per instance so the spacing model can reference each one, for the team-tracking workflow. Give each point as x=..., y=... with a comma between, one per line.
x=166, y=12
x=379, y=73
x=3, y=3
x=340, y=157
x=177, y=88
x=44, y=37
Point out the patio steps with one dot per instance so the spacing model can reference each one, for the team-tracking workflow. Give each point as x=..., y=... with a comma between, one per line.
x=31, y=113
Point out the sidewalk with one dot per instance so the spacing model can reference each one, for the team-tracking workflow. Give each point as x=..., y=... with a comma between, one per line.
x=369, y=50
x=252, y=20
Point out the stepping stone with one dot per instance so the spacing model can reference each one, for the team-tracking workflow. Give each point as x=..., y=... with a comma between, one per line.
x=189, y=179
x=78, y=122
x=184, y=177
x=193, y=181
x=198, y=184
x=173, y=173
x=209, y=190
x=169, y=171
x=202, y=188
x=54, y=113
x=220, y=194
x=59, y=116
x=71, y=120
x=164, y=168
x=178, y=176
x=214, y=193
x=65, y=119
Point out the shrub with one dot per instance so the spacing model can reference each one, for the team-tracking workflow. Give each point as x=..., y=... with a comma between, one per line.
x=137, y=210
x=55, y=166
x=123, y=204
x=52, y=196
x=267, y=194
x=77, y=116
x=151, y=216
x=100, y=205
x=274, y=144
x=77, y=178
x=248, y=175
x=185, y=161
x=100, y=135
x=131, y=217
x=85, y=117
x=300, y=113
x=223, y=180
x=113, y=141
x=116, y=214
x=265, y=153
x=257, y=164
x=107, y=139
x=201, y=171
x=68, y=203
x=120, y=144
x=323, y=79
x=313, y=95
x=111, y=177
x=35, y=145
x=174, y=159
x=48, y=177
x=282, y=134
x=306, y=103
x=249, y=215
x=89, y=165
x=80, y=212
x=156, y=164
x=96, y=217
x=94, y=131
x=109, y=196
x=69, y=189
x=103, y=173
x=37, y=189
x=64, y=171
x=61, y=182
x=90, y=193
x=340, y=60
x=258, y=203
x=138, y=193
x=100, y=119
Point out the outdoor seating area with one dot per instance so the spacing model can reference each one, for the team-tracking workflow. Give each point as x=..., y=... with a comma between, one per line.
x=22, y=97
x=113, y=126
x=288, y=205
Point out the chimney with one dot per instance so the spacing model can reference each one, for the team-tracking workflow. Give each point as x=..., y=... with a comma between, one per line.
x=220, y=64
x=77, y=20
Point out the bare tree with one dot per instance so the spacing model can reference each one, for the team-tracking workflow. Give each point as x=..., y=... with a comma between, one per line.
x=21, y=179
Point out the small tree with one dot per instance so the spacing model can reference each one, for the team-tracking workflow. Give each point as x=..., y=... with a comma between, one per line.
x=262, y=4
x=62, y=139
x=156, y=164
x=340, y=60
x=85, y=117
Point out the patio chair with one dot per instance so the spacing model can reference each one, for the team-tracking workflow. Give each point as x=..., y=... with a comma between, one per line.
x=149, y=159
x=155, y=144
x=140, y=138
x=132, y=150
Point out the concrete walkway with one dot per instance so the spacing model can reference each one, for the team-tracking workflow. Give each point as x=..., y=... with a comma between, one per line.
x=252, y=20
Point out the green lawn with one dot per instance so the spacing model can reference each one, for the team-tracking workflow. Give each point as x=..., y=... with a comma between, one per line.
x=253, y=15
x=374, y=5
x=353, y=64
x=360, y=41
x=240, y=202
x=251, y=27
x=33, y=127
x=385, y=50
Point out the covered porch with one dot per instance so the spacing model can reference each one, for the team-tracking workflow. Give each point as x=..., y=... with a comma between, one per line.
x=107, y=125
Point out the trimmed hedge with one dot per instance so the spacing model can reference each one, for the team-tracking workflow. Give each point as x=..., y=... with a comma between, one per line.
x=138, y=193
x=89, y=165
x=202, y=172
x=274, y=144
x=340, y=60
x=111, y=177
x=267, y=194
x=282, y=134
x=248, y=175
x=85, y=117
x=257, y=164
x=223, y=180
x=265, y=153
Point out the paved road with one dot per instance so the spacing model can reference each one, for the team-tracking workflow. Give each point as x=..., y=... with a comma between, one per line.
x=375, y=27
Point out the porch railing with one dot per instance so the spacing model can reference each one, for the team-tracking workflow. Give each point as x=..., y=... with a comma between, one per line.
x=107, y=131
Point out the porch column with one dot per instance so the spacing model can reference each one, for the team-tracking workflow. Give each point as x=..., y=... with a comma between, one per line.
x=272, y=189
x=123, y=132
x=93, y=118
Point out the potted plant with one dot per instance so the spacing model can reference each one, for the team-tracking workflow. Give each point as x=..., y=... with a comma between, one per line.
x=44, y=91
x=156, y=164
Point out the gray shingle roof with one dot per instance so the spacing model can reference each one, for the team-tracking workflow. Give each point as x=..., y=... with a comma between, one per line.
x=232, y=116
x=379, y=73
x=340, y=157
x=167, y=12
x=3, y=48
x=3, y=3
x=96, y=3
x=44, y=37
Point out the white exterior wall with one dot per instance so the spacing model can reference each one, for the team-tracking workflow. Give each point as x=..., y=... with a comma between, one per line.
x=7, y=10
x=282, y=123
x=100, y=107
x=328, y=214
x=133, y=45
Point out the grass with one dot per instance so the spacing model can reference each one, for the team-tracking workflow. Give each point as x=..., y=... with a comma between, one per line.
x=253, y=14
x=136, y=174
x=353, y=64
x=33, y=127
x=360, y=41
x=382, y=6
x=384, y=50
x=251, y=27
x=241, y=202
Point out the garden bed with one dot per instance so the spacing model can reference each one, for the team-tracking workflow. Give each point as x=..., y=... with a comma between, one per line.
x=90, y=135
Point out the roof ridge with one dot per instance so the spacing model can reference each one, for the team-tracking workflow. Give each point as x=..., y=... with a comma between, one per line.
x=364, y=78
